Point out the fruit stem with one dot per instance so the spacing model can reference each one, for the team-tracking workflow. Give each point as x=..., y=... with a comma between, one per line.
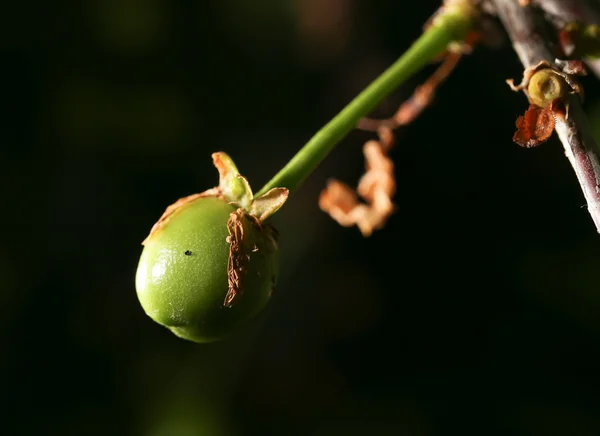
x=449, y=25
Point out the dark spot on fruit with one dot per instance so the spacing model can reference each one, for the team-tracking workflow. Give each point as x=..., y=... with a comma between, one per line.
x=188, y=253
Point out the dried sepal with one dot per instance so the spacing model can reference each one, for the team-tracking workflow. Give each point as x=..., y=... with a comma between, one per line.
x=233, y=186
x=237, y=262
x=247, y=237
x=527, y=74
x=535, y=126
x=267, y=204
x=243, y=192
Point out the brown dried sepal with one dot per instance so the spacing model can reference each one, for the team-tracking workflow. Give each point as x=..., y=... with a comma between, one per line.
x=241, y=245
x=237, y=262
x=376, y=187
x=214, y=192
x=536, y=126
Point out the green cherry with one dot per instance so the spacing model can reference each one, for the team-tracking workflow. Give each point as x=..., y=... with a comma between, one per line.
x=209, y=265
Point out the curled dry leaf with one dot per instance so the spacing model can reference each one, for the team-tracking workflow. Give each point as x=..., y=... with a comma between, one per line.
x=535, y=127
x=339, y=200
x=376, y=187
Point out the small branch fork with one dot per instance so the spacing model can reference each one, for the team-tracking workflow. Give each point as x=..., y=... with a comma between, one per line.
x=528, y=31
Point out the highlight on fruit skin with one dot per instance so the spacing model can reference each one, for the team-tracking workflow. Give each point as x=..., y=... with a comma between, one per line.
x=211, y=262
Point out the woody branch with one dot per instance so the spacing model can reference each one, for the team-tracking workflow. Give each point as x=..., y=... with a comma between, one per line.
x=531, y=39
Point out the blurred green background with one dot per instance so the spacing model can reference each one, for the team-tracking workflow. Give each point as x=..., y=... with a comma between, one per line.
x=475, y=311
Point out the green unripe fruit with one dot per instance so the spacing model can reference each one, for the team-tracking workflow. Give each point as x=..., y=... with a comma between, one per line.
x=207, y=268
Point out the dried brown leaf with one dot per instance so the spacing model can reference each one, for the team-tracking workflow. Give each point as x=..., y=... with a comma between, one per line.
x=535, y=126
x=338, y=200
x=376, y=187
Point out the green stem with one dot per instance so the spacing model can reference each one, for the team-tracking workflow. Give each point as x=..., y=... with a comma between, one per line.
x=445, y=29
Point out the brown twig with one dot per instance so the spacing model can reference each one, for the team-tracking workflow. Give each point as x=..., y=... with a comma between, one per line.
x=527, y=30
x=378, y=185
x=420, y=99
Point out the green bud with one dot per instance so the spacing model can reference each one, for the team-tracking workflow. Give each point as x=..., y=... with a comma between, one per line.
x=209, y=266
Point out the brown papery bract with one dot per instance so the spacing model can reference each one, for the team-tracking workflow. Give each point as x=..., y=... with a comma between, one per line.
x=535, y=127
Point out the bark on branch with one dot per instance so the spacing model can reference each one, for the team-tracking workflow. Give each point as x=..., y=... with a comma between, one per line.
x=532, y=41
x=586, y=11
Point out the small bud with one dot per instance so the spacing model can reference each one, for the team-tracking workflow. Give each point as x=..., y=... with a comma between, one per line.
x=545, y=86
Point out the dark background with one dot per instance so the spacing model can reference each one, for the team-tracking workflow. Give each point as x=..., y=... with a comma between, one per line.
x=475, y=311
